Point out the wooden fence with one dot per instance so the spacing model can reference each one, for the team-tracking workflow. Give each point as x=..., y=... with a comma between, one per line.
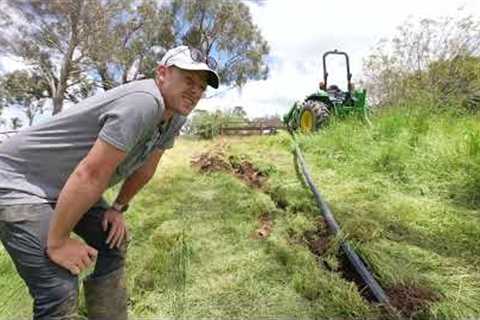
x=228, y=128
x=249, y=128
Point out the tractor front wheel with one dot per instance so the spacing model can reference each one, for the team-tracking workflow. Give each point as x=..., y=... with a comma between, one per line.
x=313, y=115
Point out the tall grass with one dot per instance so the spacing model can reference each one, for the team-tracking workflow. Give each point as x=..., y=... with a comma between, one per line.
x=406, y=193
x=413, y=179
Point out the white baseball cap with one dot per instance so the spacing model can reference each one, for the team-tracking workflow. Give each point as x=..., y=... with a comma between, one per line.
x=188, y=58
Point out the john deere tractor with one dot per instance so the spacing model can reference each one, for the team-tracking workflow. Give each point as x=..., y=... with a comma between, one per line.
x=328, y=101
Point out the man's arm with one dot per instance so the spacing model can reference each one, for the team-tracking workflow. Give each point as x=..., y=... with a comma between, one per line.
x=131, y=186
x=83, y=188
x=139, y=178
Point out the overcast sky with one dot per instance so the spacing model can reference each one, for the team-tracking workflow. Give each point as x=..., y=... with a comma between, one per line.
x=300, y=31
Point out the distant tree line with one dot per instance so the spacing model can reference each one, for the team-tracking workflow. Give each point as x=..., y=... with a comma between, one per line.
x=434, y=62
x=74, y=47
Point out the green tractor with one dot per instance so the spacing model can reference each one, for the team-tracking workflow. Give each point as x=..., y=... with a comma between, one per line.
x=328, y=101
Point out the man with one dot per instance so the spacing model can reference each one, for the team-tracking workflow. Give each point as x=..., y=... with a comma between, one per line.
x=53, y=175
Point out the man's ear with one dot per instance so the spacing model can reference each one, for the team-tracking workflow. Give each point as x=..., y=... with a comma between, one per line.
x=160, y=73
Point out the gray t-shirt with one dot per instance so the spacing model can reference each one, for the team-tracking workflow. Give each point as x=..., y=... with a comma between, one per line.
x=36, y=162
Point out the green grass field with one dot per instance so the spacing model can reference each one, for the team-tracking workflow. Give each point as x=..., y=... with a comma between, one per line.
x=406, y=193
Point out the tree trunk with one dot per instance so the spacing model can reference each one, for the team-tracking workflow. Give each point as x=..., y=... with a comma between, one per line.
x=107, y=81
x=57, y=104
x=59, y=95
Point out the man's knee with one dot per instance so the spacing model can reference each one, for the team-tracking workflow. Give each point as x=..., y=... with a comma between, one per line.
x=91, y=230
x=110, y=260
x=115, y=256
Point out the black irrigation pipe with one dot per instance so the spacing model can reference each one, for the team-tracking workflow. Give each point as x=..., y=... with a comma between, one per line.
x=8, y=132
x=4, y=135
x=352, y=256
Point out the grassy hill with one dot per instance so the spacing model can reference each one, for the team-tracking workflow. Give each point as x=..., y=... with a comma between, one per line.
x=209, y=244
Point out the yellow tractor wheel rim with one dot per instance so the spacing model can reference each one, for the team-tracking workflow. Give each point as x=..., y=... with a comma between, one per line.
x=306, y=121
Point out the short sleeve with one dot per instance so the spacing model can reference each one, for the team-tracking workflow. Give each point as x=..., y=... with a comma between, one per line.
x=127, y=119
x=169, y=141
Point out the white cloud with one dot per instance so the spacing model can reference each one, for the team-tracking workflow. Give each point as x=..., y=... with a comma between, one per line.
x=9, y=64
x=300, y=31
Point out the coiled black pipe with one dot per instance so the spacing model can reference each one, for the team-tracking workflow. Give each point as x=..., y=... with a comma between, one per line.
x=334, y=228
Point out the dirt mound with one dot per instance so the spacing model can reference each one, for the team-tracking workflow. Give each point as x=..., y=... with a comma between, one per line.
x=410, y=300
x=266, y=224
x=246, y=171
x=216, y=160
x=211, y=161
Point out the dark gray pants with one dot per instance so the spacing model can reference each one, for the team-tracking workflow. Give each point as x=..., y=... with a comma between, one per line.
x=54, y=289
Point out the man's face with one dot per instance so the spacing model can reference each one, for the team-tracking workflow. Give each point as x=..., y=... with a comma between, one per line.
x=181, y=89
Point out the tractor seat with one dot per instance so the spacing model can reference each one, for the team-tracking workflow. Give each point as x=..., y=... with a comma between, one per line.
x=335, y=93
x=333, y=88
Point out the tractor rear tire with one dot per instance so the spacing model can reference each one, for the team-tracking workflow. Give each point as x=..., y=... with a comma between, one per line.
x=313, y=116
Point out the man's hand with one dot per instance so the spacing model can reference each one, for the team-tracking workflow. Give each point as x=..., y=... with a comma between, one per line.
x=118, y=228
x=72, y=255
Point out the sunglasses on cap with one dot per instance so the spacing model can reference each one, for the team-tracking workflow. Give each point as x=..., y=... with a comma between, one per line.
x=198, y=56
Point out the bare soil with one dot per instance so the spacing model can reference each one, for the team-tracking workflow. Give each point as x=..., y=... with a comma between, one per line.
x=246, y=171
x=211, y=161
x=266, y=224
x=318, y=240
x=215, y=160
x=411, y=300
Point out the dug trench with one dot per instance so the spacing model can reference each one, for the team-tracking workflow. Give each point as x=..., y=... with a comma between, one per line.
x=408, y=299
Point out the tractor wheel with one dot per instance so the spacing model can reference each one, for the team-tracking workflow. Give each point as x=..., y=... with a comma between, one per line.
x=313, y=115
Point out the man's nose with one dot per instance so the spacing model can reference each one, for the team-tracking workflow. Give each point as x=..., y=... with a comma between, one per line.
x=197, y=90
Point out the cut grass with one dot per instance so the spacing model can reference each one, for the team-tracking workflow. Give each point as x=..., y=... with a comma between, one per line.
x=406, y=193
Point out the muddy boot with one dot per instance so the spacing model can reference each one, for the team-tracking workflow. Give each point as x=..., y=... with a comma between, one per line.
x=106, y=297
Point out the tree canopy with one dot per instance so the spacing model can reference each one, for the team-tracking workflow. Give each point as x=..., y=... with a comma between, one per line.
x=25, y=90
x=434, y=60
x=75, y=46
